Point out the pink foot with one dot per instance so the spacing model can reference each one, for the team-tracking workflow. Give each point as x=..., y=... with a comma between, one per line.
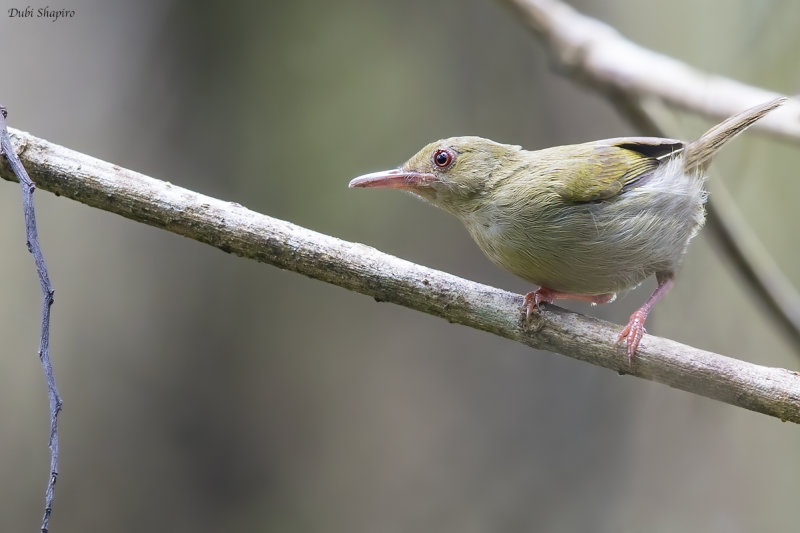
x=534, y=299
x=633, y=333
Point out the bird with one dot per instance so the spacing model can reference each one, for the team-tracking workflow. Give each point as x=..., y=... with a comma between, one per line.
x=583, y=221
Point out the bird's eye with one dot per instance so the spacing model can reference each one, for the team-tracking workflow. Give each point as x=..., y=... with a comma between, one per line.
x=443, y=158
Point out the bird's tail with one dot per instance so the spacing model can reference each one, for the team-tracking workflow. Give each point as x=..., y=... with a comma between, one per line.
x=698, y=154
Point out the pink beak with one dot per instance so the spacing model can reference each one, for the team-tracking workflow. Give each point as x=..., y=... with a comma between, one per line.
x=395, y=179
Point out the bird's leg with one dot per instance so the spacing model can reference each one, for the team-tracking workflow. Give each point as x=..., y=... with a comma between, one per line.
x=634, y=331
x=544, y=295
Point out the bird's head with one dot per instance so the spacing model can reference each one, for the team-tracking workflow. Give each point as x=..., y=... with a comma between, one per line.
x=452, y=174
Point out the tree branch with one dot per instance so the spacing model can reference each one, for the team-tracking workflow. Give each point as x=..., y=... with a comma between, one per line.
x=596, y=54
x=28, y=188
x=235, y=229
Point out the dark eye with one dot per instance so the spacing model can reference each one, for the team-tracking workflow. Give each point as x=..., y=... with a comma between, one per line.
x=442, y=158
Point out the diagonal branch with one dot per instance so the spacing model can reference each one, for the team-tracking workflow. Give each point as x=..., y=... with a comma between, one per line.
x=357, y=267
x=598, y=55
x=28, y=188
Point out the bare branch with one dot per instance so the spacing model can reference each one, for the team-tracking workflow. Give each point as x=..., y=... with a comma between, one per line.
x=596, y=54
x=357, y=267
x=28, y=188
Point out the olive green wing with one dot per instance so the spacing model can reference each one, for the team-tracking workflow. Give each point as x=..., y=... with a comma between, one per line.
x=603, y=169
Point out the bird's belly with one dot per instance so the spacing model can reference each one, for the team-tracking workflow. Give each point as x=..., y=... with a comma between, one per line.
x=593, y=248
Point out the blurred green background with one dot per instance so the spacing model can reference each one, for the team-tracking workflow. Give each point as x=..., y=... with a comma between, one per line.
x=207, y=393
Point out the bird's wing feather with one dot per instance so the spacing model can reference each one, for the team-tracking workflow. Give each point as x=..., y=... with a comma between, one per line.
x=604, y=169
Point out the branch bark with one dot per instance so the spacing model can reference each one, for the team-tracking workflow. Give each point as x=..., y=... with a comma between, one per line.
x=235, y=229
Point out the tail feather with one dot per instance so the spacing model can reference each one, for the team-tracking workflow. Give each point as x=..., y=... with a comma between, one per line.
x=698, y=154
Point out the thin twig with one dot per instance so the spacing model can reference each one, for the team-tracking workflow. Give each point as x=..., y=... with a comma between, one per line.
x=28, y=188
x=597, y=55
x=763, y=276
x=356, y=267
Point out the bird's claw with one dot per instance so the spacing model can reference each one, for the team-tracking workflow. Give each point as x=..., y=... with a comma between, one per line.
x=633, y=333
x=534, y=300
